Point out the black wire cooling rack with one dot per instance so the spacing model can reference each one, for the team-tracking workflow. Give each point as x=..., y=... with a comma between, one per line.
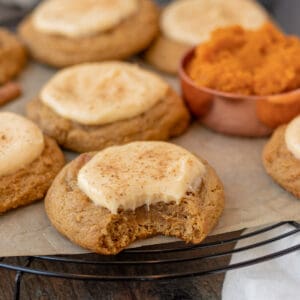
x=168, y=261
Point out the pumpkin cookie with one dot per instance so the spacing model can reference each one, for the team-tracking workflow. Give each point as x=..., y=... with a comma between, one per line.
x=89, y=30
x=141, y=199
x=29, y=161
x=186, y=23
x=12, y=56
x=92, y=106
x=281, y=157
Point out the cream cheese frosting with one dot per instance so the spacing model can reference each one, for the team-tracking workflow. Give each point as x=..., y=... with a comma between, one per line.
x=192, y=21
x=292, y=137
x=21, y=142
x=80, y=18
x=102, y=93
x=140, y=173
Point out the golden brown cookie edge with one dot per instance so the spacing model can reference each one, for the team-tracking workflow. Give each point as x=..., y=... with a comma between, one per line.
x=168, y=118
x=31, y=183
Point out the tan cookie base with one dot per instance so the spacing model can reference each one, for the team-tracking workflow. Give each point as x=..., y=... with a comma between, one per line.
x=166, y=54
x=32, y=182
x=166, y=119
x=281, y=164
x=129, y=37
x=12, y=56
x=95, y=228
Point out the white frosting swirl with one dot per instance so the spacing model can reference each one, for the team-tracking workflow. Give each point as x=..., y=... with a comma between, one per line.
x=292, y=137
x=192, y=21
x=80, y=18
x=140, y=173
x=101, y=93
x=21, y=142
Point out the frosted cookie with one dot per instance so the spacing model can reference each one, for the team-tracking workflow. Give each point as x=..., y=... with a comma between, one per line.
x=92, y=106
x=12, y=56
x=154, y=188
x=186, y=23
x=281, y=156
x=29, y=161
x=67, y=32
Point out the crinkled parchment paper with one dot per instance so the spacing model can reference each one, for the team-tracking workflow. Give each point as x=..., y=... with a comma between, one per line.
x=252, y=198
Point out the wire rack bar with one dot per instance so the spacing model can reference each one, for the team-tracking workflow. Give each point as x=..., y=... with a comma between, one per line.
x=172, y=260
x=155, y=277
x=18, y=279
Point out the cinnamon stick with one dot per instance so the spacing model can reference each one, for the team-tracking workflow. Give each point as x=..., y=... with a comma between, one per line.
x=9, y=91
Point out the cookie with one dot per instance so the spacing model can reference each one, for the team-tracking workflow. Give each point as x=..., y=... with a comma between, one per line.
x=12, y=56
x=29, y=162
x=146, y=109
x=184, y=24
x=115, y=215
x=93, y=31
x=279, y=160
x=165, y=54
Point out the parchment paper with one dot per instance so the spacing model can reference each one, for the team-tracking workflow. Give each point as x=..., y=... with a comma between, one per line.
x=252, y=198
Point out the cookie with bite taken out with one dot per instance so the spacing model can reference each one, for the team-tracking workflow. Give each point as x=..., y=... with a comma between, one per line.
x=105, y=201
